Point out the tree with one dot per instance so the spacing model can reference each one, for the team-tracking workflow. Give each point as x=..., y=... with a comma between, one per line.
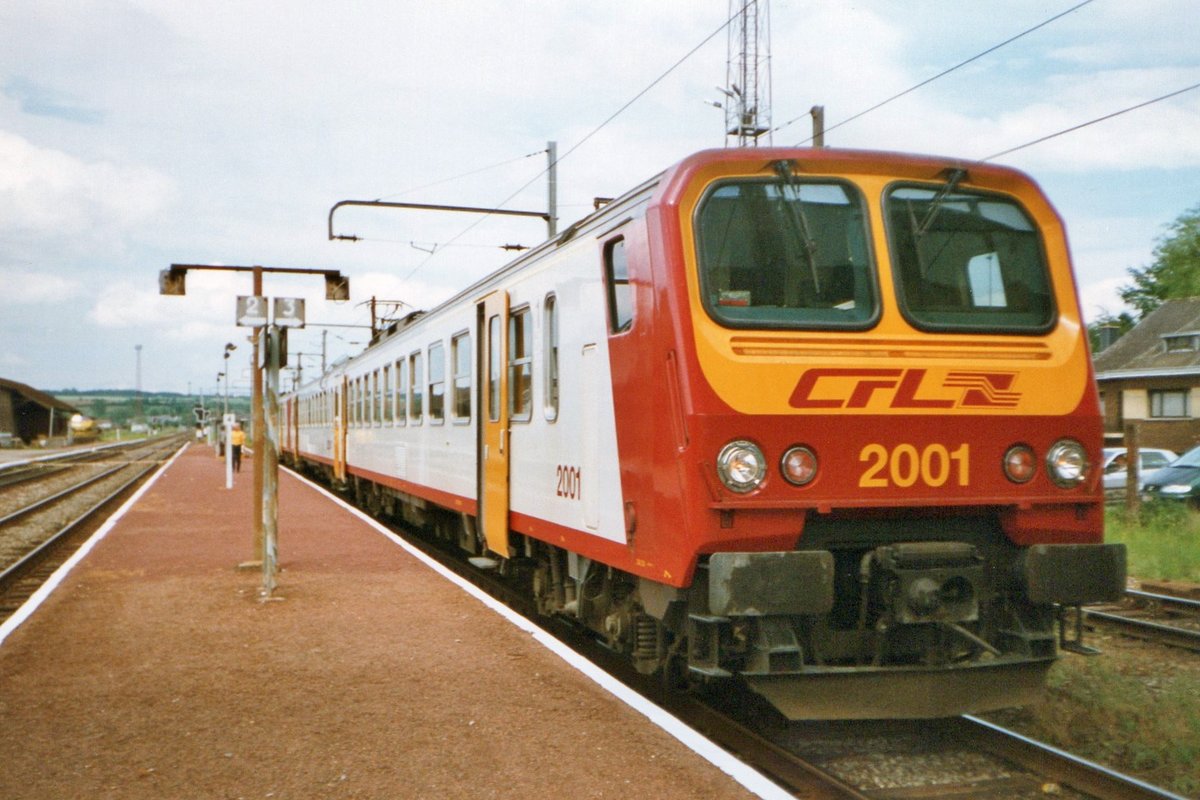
x=1175, y=272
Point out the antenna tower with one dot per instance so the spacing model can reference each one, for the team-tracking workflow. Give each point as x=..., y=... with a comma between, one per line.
x=748, y=73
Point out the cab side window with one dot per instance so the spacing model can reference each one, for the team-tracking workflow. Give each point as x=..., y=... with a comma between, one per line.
x=620, y=293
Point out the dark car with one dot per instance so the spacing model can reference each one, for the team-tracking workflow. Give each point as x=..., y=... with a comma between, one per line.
x=1179, y=480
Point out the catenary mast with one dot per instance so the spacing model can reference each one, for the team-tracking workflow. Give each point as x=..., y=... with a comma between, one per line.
x=747, y=88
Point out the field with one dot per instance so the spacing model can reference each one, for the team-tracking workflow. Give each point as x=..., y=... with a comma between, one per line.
x=123, y=407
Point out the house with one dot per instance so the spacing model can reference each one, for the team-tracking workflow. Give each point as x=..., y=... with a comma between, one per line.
x=1151, y=376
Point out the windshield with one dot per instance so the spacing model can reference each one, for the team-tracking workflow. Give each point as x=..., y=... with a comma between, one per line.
x=785, y=254
x=1189, y=459
x=967, y=261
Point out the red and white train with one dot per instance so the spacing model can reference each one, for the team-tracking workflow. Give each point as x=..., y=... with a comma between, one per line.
x=821, y=421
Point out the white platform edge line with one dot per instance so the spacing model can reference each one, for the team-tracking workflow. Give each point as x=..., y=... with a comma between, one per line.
x=37, y=598
x=727, y=762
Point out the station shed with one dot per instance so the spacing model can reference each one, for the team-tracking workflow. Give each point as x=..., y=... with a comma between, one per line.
x=29, y=415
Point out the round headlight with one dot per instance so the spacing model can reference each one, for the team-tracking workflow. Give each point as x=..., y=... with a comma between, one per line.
x=741, y=466
x=1019, y=463
x=799, y=465
x=1067, y=463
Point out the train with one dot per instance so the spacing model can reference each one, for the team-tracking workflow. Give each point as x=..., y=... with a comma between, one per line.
x=82, y=429
x=818, y=422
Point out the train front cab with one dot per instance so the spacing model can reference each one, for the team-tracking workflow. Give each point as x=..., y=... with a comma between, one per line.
x=889, y=425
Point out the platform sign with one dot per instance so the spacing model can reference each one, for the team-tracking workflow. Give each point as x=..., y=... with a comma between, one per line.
x=251, y=311
x=289, y=312
x=264, y=351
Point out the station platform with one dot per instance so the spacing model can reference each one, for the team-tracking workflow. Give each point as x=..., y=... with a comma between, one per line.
x=155, y=670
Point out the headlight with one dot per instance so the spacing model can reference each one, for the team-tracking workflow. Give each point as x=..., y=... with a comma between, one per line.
x=741, y=466
x=1175, y=488
x=1020, y=463
x=1067, y=463
x=799, y=465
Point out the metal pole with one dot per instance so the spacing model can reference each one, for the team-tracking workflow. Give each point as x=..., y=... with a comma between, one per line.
x=227, y=422
x=818, y=125
x=270, y=459
x=552, y=189
x=256, y=403
x=1133, y=444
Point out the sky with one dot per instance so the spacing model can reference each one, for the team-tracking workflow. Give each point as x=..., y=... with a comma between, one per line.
x=139, y=133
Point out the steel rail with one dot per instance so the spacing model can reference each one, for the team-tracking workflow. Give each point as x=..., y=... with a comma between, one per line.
x=1167, y=634
x=1071, y=770
x=1165, y=599
x=54, y=498
x=77, y=454
x=14, y=570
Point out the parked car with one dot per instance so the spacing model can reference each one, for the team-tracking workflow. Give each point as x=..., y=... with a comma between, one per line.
x=1180, y=480
x=1116, y=460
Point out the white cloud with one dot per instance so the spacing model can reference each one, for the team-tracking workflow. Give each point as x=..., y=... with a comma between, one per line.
x=26, y=287
x=50, y=192
x=12, y=360
x=209, y=305
x=1101, y=298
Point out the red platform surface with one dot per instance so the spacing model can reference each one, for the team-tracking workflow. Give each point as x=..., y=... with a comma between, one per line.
x=155, y=671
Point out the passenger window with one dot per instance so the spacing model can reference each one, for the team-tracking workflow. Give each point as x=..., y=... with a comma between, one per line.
x=460, y=355
x=550, y=343
x=364, y=410
x=493, y=386
x=415, y=382
x=437, y=382
x=620, y=293
x=388, y=397
x=375, y=414
x=401, y=391
x=520, y=365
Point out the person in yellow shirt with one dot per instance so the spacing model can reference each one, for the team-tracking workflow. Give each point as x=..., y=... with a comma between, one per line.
x=237, y=438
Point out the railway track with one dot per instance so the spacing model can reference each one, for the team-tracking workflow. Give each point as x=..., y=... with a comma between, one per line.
x=34, y=470
x=44, y=519
x=1164, y=619
x=956, y=758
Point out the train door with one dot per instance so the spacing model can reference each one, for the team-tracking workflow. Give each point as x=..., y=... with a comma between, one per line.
x=339, y=431
x=493, y=443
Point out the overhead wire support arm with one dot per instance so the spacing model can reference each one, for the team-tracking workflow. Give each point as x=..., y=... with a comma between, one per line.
x=543, y=215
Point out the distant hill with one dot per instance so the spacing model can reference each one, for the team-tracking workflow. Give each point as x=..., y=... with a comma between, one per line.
x=120, y=405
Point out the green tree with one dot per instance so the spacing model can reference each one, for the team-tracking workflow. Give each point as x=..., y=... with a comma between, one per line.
x=1175, y=272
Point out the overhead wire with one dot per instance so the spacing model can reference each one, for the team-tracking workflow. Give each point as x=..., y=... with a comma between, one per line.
x=1073, y=128
x=679, y=62
x=941, y=74
x=467, y=174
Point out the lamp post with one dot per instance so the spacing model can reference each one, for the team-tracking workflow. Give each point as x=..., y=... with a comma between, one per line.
x=216, y=430
x=229, y=348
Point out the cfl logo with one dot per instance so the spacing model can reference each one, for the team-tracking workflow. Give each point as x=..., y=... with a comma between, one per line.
x=850, y=387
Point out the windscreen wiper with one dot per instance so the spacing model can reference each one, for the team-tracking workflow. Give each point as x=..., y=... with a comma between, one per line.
x=799, y=222
x=953, y=178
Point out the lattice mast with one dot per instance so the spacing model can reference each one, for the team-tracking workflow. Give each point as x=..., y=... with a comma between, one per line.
x=748, y=74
